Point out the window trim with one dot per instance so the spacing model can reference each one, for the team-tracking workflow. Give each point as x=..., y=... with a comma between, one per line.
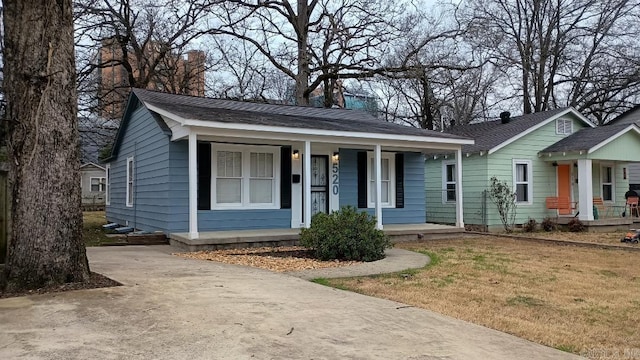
x=101, y=184
x=612, y=183
x=529, y=182
x=392, y=180
x=107, y=190
x=445, y=164
x=130, y=184
x=245, y=182
x=564, y=123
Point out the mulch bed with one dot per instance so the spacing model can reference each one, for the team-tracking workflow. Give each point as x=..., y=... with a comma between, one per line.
x=279, y=259
x=95, y=281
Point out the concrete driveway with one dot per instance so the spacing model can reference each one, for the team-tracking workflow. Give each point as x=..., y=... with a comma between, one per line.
x=175, y=308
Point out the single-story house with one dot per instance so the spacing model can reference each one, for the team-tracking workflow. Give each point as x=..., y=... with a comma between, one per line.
x=183, y=164
x=93, y=183
x=631, y=116
x=557, y=153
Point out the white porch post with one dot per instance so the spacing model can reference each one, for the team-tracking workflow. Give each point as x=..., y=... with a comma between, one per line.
x=306, y=173
x=585, y=189
x=378, y=174
x=193, y=186
x=459, y=212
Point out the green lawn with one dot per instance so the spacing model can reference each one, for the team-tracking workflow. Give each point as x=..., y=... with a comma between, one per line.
x=93, y=233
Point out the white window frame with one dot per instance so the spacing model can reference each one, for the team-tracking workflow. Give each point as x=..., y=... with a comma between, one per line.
x=612, y=183
x=392, y=180
x=245, y=195
x=564, y=126
x=529, y=182
x=107, y=190
x=102, y=181
x=445, y=164
x=130, y=182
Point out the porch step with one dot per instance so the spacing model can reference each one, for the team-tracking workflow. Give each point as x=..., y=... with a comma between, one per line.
x=147, y=239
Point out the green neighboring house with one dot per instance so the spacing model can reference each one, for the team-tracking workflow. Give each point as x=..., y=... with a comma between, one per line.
x=557, y=153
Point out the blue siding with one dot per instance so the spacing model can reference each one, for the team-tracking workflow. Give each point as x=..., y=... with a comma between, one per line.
x=212, y=220
x=414, y=200
x=244, y=219
x=144, y=140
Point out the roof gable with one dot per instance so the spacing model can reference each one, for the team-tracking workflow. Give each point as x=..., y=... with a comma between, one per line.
x=589, y=140
x=491, y=136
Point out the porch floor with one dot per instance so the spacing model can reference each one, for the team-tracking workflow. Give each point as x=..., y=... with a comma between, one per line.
x=214, y=240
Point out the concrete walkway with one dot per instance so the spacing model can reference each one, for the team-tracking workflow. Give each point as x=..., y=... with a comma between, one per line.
x=176, y=308
x=395, y=260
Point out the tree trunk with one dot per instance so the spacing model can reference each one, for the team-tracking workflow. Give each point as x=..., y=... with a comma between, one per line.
x=46, y=246
x=302, y=76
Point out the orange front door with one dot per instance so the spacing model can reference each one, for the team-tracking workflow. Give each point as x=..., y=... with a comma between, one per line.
x=564, y=186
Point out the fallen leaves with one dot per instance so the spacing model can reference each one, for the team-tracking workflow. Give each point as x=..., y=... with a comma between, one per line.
x=278, y=259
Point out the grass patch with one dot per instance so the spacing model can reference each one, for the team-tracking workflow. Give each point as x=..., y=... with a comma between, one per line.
x=92, y=231
x=327, y=282
x=570, y=298
x=524, y=300
x=607, y=273
x=568, y=348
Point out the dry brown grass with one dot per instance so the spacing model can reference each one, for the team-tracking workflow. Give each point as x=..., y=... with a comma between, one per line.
x=609, y=238
x=572, y=298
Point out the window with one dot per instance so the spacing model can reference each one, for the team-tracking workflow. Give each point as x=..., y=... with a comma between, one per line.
x=607, y=183
x=245, y=177
x=387, y=180
x=97, y=184
x=564, y=126
x=522, y=181
x=130, y=180
x=448, y=181
x=107, y=188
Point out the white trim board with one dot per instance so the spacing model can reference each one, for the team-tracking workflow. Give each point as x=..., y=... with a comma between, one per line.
x=538, y=126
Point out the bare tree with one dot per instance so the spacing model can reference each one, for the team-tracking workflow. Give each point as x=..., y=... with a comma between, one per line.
x=46, y=246
x=442, y=80
x=315, y=42
x=145, y=44
x=580, y=53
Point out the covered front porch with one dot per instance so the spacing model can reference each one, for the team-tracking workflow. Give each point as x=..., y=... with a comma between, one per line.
x=591, y=172
x=215, y=240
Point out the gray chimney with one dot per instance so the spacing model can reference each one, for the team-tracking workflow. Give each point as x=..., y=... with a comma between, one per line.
x=505, y=117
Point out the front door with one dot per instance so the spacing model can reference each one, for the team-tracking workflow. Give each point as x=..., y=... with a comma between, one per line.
x=564, y=186
x=319, y=184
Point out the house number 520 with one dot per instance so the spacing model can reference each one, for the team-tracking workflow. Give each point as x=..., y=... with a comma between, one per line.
x=334, y=179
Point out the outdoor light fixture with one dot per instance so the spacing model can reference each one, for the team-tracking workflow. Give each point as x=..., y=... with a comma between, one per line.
x=296, y=154
x=336, y=156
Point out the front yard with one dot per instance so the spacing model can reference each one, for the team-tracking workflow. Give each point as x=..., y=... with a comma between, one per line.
x=576, y=299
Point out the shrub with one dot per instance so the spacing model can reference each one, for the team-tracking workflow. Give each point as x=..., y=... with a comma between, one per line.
x=530, y=226
x=575, y=225
x=505, y=200
x=345, y=235
x=548, y=224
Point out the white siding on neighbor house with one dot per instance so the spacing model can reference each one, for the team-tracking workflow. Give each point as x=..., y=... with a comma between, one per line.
x=634, y=173
x=91, y=197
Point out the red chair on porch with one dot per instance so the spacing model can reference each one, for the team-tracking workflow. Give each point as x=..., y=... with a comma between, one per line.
x=632, y=204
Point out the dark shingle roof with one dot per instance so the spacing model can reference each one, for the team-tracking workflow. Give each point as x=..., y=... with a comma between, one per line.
x=585, y=139
x=490, y=134
x=628, y=117
x=230, y=111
